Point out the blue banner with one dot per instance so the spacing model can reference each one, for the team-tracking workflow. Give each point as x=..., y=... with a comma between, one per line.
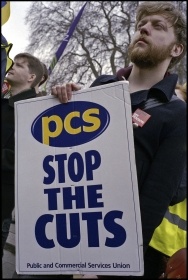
x=65, y=40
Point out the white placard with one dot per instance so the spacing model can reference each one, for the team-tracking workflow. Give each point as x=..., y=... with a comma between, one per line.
x=76, y=201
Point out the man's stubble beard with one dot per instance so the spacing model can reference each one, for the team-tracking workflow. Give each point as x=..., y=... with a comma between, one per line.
x=149, y=56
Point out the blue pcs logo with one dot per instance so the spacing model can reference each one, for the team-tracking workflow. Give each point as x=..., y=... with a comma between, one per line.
x=70, y=124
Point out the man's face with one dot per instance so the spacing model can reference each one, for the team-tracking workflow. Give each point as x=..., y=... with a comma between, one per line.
x=152, y=42
x=19, y=73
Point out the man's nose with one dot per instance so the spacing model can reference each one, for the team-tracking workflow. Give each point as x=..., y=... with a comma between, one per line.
x=146, y=29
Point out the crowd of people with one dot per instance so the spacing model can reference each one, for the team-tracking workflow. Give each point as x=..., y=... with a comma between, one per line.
x=158, y=44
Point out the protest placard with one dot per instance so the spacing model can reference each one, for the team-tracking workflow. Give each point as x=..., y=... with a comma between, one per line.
x=76, y=202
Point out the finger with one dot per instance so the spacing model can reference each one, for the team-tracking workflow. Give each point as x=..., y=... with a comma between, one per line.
x=60, y=92
x=75, y=86
x=53, y=91
x=70, y=88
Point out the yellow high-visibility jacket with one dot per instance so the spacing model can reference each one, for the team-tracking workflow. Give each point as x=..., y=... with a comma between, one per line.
x=171, y=234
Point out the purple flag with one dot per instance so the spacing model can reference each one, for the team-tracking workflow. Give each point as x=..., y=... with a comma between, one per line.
x=65, y=40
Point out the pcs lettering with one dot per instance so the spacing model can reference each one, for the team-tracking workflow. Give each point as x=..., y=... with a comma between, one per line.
x=88, y=117
x=60, y=128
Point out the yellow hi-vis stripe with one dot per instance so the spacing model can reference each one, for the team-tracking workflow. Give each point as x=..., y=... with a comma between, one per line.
x=171, y=234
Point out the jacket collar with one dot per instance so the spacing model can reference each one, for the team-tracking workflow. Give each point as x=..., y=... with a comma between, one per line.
x=26, y=94
x=164, y=89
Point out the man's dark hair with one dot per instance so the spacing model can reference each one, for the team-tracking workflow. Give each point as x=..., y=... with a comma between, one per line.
x=45, y=74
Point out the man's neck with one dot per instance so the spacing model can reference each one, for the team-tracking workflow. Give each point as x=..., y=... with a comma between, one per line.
x=37, y=89
x=17, y=89
x=141, y=79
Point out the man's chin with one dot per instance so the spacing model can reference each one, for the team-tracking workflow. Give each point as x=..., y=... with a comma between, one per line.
x=139, y=58
x=8, y=80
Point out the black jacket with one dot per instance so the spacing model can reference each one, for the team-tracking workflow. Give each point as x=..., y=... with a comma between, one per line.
x=7, y=150
x=160, y=149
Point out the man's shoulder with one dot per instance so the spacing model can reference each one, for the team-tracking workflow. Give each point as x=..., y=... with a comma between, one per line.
x=26, y=94
x=104, y=79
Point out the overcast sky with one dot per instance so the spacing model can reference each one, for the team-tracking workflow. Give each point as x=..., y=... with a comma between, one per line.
x=14, y=30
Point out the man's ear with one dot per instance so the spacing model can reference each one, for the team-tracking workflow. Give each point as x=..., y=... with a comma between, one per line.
x=32, y=78
x=177, y=50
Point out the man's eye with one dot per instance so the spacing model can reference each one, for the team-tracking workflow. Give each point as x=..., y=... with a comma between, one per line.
x=139, y=26
x=159, y=26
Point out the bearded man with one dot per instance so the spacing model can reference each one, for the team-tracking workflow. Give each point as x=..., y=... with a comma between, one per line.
x=160, y=144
